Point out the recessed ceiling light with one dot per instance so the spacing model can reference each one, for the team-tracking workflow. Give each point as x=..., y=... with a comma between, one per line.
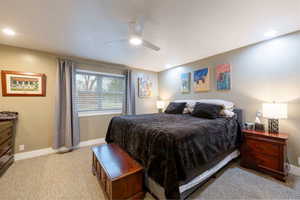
x=8, y=31
x=271, y=33
x=135, y=41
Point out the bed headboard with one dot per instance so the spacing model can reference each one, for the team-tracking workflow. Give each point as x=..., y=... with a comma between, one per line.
x=239, y=115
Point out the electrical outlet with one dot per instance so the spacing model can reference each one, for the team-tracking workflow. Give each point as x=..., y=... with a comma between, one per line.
x=21, y=147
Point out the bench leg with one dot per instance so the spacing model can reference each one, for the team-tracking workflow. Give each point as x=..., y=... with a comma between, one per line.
x=93, y=166
x=93, y=171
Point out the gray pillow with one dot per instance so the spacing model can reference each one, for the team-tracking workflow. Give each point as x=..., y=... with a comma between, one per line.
x=175, y=108
x=209, y=111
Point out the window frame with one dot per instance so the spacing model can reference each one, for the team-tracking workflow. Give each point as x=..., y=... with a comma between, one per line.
x=88, y=113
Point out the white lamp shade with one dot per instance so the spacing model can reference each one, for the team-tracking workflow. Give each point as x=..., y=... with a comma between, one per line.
x=160, y=104
x=275, y=110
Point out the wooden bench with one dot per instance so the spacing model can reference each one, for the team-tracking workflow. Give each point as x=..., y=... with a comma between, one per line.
x=120, y=176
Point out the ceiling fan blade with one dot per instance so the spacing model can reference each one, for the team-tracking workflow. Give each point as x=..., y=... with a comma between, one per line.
x=150, y=45
x=115, y=41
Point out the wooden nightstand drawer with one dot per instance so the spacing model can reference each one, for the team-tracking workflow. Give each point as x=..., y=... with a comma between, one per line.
x=264, y=161
x=263, y=147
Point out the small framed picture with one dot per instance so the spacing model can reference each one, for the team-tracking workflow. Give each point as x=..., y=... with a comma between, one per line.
x=23, y=84
x=144, y=87
x=185, y=82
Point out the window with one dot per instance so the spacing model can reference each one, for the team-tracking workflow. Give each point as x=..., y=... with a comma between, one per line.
x=99, y=92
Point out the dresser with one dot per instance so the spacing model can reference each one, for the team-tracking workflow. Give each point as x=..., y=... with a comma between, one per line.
x=7, y=121
x=265, y=152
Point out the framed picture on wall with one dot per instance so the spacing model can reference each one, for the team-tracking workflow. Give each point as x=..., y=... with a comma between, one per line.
x=144, y=87
x=223, y=76
x=23, y=84
x=185, y=86
x=201, y=80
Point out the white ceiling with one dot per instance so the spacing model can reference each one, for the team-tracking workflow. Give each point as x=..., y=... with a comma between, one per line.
x=186, y=30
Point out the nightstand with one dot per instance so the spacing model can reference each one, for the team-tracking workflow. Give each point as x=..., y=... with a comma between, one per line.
x=265, y=152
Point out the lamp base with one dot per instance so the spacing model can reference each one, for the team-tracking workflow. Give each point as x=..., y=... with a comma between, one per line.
x=273, y=125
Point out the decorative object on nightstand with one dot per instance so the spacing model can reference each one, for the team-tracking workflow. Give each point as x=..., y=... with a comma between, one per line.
x=7, y=120
x=160, y=106
x=273, y=112
x=265, y=152
x=249, y=126
x=258, y=126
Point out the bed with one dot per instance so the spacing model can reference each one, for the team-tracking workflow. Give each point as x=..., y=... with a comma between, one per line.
x=178, y=151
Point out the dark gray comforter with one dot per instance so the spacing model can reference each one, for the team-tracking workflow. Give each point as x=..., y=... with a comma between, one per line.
x=174, y=148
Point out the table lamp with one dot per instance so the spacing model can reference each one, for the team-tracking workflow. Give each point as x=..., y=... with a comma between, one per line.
x=273, y=112
x=160, y=106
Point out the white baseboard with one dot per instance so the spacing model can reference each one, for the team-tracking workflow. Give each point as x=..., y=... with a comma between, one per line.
x=35, y=153
x=91, y=142
x=46, y=151
x=294, y=170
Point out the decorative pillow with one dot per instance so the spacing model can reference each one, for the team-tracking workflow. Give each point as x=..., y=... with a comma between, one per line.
x=209, y=111
x=186, y=110
x=190, y=104
x=175, y=108
x=227, y=113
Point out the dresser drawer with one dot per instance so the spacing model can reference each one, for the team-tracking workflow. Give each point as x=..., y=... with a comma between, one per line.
x=264, y=147
x=5, y=134
x=5, y=146
x=5, y=125
x=5, y=158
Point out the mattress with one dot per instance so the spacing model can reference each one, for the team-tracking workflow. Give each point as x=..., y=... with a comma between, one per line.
x=186, y=189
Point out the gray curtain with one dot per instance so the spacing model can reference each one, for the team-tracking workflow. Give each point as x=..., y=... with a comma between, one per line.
x=129, y=108
x=67, y=135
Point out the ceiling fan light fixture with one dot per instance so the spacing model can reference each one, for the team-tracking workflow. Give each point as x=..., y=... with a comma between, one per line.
x=9, y=32
x=136, y=41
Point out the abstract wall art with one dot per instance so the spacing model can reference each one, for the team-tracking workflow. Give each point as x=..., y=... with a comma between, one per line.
x=201, y=80
x=185, y=86
x=223, y=76
x=144, y=87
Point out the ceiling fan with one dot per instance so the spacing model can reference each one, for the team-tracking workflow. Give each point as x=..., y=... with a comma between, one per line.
x=135, y=37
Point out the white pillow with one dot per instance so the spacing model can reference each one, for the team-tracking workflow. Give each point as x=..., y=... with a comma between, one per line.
x=228, y=113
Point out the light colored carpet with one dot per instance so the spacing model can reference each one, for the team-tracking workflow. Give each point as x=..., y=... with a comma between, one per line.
x=68, y=176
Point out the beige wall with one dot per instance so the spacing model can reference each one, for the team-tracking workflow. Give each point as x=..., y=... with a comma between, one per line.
x=268, y=71
x=94, y=127
x=36, y=114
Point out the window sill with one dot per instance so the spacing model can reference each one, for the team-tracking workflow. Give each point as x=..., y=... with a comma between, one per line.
x=90, y=114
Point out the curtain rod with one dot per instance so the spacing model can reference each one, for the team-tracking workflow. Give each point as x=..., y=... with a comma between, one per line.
x=95, y=63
